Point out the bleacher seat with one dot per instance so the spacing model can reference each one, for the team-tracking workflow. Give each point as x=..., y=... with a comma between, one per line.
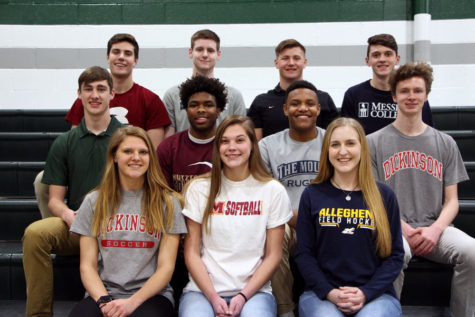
x=33, y=120
x=67, y=281
x=454, y=118
x=17, y=177
x=25, y=146
x=466, y=189
x=466, y=143
x=465, y=219
x=16, y=215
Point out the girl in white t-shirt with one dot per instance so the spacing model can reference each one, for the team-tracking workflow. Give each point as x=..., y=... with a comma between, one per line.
x=130, y=228
x=235, y=217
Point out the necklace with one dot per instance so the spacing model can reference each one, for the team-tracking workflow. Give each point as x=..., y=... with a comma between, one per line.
x=347, y=193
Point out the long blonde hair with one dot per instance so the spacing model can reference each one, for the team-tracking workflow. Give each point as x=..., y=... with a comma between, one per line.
x=371, y=193
x=157, y=198
x=256, y=165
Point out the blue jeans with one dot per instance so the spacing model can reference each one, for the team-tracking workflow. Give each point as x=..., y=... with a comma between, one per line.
x=195, y=304
x=383, y=306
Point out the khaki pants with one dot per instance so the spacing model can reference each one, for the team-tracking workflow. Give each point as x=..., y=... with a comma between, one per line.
x=283, y=280
x=457, y=248
x=42, y=238
x=42, y=196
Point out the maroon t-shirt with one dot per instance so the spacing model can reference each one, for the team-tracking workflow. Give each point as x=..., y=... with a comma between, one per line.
x=181, y=159
x=142, y=108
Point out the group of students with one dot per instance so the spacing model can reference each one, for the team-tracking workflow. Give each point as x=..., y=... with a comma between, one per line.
x=263, y=198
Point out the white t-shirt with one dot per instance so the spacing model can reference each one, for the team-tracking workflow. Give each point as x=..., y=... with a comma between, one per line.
x=234, y=246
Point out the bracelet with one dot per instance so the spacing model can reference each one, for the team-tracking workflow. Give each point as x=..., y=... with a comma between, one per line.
x=244, y=296
x=104, y=300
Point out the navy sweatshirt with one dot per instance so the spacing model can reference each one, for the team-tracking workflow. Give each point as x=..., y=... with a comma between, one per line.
x=336, y=245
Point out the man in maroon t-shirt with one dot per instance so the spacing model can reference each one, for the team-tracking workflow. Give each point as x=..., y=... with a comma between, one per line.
x=132, y=104
x=188, y=153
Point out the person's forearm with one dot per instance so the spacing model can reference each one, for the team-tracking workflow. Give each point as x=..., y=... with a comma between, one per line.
x=92, y=282
x=272, y=257
x=447, y=215
x=154, y=284
x=165, y=266
x=406, y=229
x=59, y=208
x=263, y=273
x=169, y=130
x=198, y=272
x=156, y=136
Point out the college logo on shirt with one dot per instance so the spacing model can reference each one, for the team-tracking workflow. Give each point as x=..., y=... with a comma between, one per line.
x=377, y=110
x=297, y=168
x=363, y=109
x=238, y=208
x=334, y=217
x=131, y=223
x=414, y=160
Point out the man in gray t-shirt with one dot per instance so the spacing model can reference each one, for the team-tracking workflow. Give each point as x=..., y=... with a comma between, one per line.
x=423, y=166
x=204, y=53
x=293, y=157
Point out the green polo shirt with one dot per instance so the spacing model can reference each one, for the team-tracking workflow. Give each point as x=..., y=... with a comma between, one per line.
x=76, y=160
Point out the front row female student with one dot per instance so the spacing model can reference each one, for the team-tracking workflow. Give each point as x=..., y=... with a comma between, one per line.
x=235, y=218
x=130, y=228
x=349, y=246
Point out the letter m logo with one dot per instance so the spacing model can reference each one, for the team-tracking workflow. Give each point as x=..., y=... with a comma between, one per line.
x=218, y=208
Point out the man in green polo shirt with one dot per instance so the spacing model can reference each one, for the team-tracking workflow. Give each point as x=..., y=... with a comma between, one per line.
x=74, y=166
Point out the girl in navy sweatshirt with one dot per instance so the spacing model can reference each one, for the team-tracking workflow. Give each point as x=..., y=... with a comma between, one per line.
x=349, y=246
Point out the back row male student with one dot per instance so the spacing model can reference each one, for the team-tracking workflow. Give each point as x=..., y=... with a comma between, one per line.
x=266, y=110
x=371, y=102
x=132, y=103
x=204, y=53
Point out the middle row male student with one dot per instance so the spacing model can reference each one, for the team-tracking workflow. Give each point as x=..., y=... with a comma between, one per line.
x=266, y=109
x=293, y=156
x=132, y=103
x=204, y=53
x=188, y=153
x=371, y=102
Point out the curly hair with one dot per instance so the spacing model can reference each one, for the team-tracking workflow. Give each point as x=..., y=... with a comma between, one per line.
x=203, y=84
x=409, y=70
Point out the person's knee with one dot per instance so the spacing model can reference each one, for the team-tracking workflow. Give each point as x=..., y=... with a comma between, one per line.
x=385, y=305
x=194, y=304
x=261, y=304
x=33, y=235
x=467, y=254
x=39, y=233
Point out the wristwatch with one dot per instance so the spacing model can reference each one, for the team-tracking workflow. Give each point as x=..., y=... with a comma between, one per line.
x=104, y=300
